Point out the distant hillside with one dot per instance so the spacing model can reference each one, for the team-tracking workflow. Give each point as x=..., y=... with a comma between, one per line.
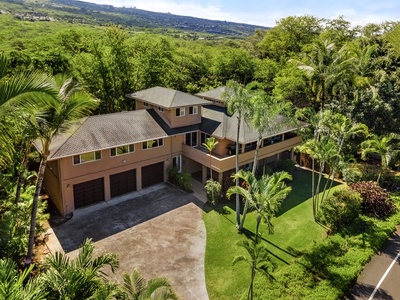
x=90, y=13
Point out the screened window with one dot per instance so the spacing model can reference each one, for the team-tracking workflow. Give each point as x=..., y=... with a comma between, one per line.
x=193, y=110
x=87, y=157
x=180, y=112
x=122, y=150
x=153, y=144
x=177, y=162
x=203, y=138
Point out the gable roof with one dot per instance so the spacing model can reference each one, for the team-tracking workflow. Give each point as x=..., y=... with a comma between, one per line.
x=106, y=131
x=167, y=98
x=215, y=94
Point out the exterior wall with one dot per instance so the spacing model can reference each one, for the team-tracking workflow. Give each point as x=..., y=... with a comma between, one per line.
x=51, y=183
x=169, y=115
x=221, y=148
x=62, y=194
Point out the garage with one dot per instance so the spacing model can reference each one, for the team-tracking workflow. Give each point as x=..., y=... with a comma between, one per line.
x=152, y=174
x=89, y=192
x=123, y=183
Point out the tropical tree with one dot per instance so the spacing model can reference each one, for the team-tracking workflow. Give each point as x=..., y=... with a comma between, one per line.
x=267, y=118
x=237, y=100
x=258, y=259
x=14, y=285
x=136, y=287
x=326, y=69
x=54, y=115
x=78, y=278
x=264, y=195
x=385, y=146
x=210, y=144
x=14, y=90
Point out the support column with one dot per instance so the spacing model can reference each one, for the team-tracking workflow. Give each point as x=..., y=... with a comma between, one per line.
x=220, y=178
x=203, y=174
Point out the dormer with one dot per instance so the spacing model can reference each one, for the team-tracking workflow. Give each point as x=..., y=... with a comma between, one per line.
x=176, y=108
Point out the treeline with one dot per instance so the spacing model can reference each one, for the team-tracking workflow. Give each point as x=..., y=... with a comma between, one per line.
x=306, y=60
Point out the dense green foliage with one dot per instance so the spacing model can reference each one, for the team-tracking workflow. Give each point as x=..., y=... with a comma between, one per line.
x=181, y=179
x=341, y=209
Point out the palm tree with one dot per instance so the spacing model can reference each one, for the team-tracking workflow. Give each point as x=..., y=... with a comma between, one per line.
x=13, y=285
x=325, y=68
x=210, y=145
x=136, y=287
x=266, y=111
x=77, y=278
x=55, y=115
x=264, y=195
x=14, y=91
x=237, y=99
x=258, y=259
x=384, y=146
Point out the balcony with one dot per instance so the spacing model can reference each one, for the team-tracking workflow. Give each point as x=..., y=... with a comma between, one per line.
x=226, y=163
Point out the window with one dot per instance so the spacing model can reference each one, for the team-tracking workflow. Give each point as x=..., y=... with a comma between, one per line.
x=122, y=150
x=160, y=109
x=191, y=139
x=153, y=144
x=145, y=104
x=193, y=110
x=87, y=157
x=180, y=112
x=204, y=137
x=177, y=162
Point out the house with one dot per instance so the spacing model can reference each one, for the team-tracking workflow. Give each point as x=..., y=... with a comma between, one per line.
x=104, y=156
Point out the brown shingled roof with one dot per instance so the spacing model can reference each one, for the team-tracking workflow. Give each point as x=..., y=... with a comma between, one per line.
x=106, y=131
x=167, y=98
x=215, y=94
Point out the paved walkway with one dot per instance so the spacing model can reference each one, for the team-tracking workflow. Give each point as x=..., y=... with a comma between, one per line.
x=159, y=230
x=380, y=278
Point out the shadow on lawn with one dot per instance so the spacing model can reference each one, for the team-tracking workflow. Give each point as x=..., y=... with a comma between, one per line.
x=301, y=189
x=250, y=235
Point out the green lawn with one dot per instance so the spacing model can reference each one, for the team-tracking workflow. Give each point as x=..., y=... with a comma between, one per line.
x=294, y=230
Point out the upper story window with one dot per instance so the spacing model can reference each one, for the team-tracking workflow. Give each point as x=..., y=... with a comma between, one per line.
x=153, y=144
x=160, y=109
x=191, y=139
x=180, y=112
x=86, y=157
x=145, y=104
x=122, y=150
x=193, y=110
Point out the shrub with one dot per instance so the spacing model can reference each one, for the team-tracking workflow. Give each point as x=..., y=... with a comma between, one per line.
x=352, y=174
x=376, y=200
x=340, y=209
x=286, y=165
x=213, y=191
x=181, y=179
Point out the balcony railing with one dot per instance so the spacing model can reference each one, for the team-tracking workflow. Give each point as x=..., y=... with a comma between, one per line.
x=222, y=164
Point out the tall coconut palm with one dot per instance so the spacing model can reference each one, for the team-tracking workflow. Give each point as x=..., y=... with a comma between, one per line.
x=13, y=285
x=78, y=278
x=136, y=287
x=54, y=115
x=258, y=259
x=385, y=146
x=268, y=116
x=264, y=195
x=237, y=99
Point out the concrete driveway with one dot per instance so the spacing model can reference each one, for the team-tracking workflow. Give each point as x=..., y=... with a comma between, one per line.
x=160, y=231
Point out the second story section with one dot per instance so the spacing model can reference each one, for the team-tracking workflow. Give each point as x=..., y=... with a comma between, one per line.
x=177, y=109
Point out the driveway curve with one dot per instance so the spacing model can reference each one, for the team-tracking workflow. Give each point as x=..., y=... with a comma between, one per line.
x=159, y=231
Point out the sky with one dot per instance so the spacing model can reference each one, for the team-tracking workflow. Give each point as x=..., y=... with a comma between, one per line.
x=267, y=12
